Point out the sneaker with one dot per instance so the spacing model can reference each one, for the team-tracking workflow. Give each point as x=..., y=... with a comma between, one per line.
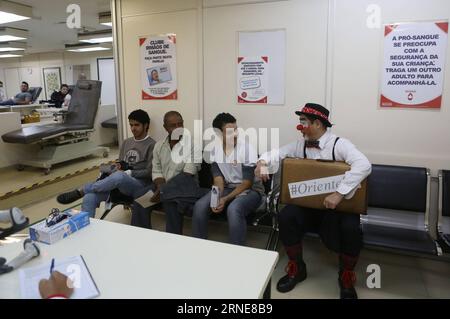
x=69, y=197
x=293, y=277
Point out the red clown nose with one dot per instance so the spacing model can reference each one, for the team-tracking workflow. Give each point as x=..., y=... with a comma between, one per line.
x=300, y=127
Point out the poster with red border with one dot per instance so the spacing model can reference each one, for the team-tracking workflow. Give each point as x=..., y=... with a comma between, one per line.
x=158, y=67
x=413, y=64
x=252, y=79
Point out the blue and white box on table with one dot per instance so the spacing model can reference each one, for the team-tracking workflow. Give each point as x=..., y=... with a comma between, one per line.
x=51, y=234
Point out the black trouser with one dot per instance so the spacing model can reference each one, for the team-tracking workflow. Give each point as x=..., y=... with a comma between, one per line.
x=174, y=217
x=295, y=221
x=140, y=216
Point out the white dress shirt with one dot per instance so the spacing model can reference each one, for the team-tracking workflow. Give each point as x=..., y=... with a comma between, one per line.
x=344, y=151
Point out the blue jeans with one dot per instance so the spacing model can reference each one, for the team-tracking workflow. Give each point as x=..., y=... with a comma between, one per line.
x=95, y=193
x=8, y=102
x=237, y=212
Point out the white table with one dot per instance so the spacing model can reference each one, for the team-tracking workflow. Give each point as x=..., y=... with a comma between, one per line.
x=131, y=262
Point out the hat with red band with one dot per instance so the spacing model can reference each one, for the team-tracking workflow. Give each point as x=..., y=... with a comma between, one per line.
x=317, y=111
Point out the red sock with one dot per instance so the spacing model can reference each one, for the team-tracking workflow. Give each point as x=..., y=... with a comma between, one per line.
x=295, y=252
x=347, y=262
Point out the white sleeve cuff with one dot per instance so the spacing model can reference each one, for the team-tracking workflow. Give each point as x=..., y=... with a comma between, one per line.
x=347, y=191
x=343, y=189
x=128, y=172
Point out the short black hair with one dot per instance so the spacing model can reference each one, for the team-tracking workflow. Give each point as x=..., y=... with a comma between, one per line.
x=26, y=83
x=140, y=116
x=223, y=119
x=169, y=114
x=64, y=85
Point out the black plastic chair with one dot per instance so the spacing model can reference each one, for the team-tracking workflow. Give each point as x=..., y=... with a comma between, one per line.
x=443, y=232
x=116, y=198
x=399, y=209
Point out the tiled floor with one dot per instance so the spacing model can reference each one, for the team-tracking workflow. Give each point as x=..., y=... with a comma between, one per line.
x=12, y=180
x=401, y=276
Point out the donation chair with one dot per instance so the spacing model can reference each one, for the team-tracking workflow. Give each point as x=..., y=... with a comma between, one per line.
x=35, y=93
x=61, y=142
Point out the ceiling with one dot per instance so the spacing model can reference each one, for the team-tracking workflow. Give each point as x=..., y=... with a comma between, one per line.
x=48, y=29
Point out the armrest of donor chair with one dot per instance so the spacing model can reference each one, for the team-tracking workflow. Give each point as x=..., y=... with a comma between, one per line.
x=111, y=123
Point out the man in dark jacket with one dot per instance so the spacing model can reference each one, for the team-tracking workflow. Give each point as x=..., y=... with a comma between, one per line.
x=62, y=97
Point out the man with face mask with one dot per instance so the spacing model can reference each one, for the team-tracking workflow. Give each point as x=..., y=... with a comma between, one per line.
x=340, y=232
x=173, y=157
x=233, y=164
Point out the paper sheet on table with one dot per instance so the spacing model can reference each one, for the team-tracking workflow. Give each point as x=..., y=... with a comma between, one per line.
x=73, y=267
x=145, y=200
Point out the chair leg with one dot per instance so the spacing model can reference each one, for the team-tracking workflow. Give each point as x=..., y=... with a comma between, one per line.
x=267, y=292
x=107, y=211
x=272, y=241
x=269, y=240
x=277, y=240
x=105, y=214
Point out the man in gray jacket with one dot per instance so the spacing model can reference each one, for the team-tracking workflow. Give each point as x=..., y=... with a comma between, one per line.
x=131, y=173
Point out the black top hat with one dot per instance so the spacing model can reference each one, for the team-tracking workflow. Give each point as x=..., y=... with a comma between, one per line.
x=316, y=110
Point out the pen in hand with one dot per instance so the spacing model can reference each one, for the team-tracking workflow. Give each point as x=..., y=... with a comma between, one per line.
x=52, y=266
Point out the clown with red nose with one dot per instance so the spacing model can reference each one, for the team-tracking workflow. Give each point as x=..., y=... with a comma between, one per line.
x=341, y=233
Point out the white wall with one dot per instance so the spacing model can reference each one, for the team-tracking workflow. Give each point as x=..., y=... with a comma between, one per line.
x=141, y=18
x=305, y=56
x=332, y=58
x=30, y=68
x=415, y=137
x=107, y=74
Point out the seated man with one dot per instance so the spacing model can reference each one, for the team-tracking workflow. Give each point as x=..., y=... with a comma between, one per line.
x=233, y=164
x=167, y=166
x=131, y=175
x=62, y=97
x=340, y=232
x=22, y=98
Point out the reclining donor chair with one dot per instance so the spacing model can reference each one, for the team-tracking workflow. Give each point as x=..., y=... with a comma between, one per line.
x=61, y=142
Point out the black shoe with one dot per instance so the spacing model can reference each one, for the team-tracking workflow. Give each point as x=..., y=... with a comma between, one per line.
x=69, y=197
x=346, y=281
x=294, y=276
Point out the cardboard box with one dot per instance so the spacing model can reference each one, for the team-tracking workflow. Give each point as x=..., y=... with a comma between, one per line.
x=307, y=182
x=50, y=235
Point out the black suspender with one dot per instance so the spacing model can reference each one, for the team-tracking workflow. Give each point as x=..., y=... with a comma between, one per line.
x=334, y=147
